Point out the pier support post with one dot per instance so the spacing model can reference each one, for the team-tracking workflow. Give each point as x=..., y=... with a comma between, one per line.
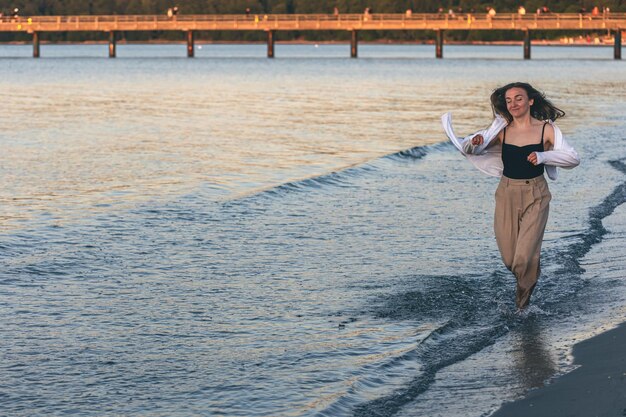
x=617, y=51
x=439, y=43
x=270, y=44
x=35, y=44
x=526, y=44
x=354, y=44
x=112, y=44
x=190, y=44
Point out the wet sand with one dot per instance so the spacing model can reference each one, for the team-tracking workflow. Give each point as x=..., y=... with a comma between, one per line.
x=596, y=388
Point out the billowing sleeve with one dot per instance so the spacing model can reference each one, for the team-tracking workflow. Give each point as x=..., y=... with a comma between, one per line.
x=485, y=159
x=564, y=157
x=464, y=144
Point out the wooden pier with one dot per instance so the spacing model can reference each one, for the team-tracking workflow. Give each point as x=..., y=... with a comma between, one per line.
x=36, y=25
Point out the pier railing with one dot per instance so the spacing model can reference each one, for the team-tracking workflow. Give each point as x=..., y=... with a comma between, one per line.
x=461, y=21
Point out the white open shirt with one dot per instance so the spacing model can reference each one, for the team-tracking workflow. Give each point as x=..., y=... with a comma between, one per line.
x=489, y=160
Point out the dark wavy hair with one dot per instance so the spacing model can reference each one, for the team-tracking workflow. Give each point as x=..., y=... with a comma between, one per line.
x=542, y=109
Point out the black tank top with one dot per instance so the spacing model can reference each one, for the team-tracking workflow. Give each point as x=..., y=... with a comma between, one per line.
x=516, y=166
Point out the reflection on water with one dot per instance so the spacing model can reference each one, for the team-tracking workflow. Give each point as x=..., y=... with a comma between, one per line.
x=533, y=359
x=88, y=135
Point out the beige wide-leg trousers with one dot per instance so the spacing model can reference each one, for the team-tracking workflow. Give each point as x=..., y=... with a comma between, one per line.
x=522, y=208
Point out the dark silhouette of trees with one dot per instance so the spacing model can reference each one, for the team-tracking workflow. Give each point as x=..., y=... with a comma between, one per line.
x=85, y=7
x=118, y=7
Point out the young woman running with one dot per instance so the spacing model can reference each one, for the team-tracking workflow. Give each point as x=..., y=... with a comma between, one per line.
x=520, y=145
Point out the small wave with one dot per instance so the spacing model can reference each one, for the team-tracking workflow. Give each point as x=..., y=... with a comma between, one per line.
x=419, y=152
x=444, y=348
x=468, y=321
x=334, y=179
x=343, y=178
x=572, y=254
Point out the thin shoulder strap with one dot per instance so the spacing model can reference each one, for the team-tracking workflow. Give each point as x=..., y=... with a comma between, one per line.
x=504, y=135
x=543, y=130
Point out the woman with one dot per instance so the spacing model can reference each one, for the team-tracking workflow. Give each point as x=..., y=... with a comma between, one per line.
x=519, y=146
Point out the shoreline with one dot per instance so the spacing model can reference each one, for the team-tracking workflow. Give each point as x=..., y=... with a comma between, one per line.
x=596, y=388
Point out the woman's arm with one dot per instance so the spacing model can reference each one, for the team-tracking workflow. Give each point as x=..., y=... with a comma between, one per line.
x=548, y=144
x=478, y=140
x=565, y=157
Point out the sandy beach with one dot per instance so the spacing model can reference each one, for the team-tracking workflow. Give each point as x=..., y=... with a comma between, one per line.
x=596, y=389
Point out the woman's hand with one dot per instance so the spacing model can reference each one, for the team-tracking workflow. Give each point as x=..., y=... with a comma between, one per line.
x=477, y=140
x=532, y=158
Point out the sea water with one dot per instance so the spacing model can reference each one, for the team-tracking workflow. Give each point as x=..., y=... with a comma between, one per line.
x=233, y=235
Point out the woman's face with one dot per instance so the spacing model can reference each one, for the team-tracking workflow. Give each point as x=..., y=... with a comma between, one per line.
x=517, y=102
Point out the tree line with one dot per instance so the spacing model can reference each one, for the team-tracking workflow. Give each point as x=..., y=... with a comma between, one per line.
x=119, y=7
x=82, y=7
